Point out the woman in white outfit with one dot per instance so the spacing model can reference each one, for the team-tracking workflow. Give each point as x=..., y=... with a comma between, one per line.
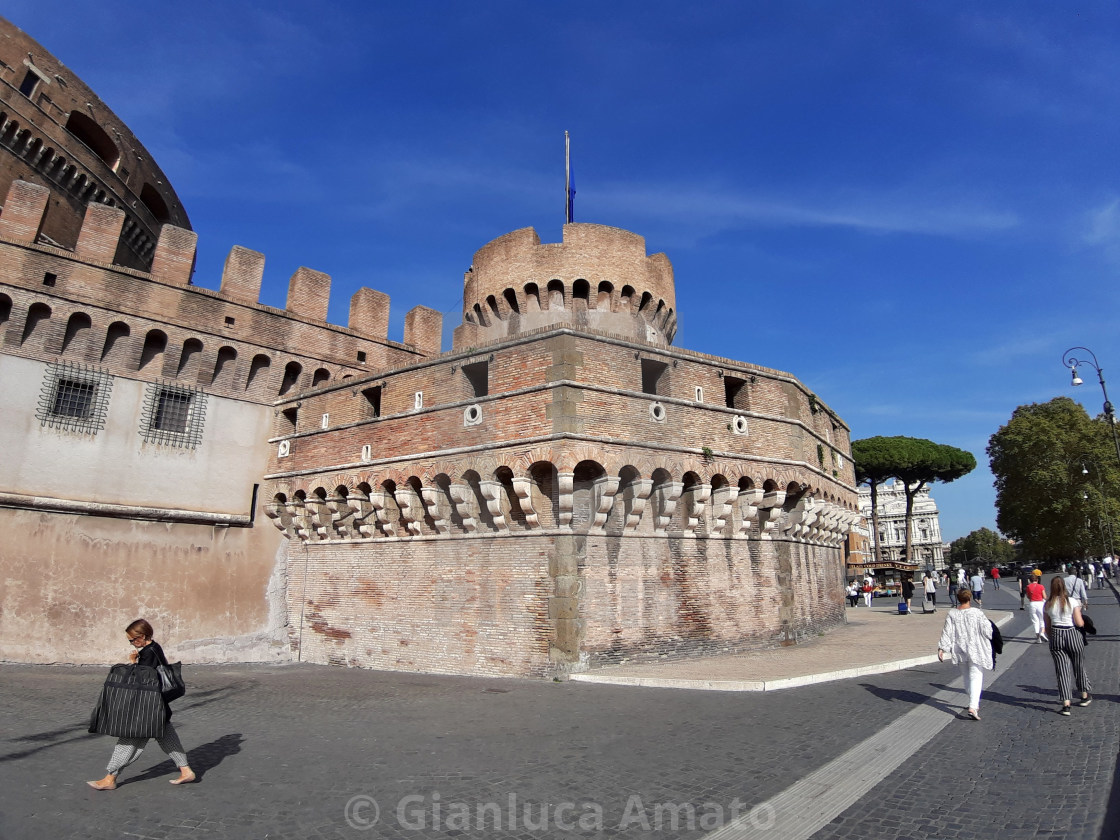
x=967, y=638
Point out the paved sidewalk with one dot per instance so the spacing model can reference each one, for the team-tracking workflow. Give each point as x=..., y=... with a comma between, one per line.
x=874, y=641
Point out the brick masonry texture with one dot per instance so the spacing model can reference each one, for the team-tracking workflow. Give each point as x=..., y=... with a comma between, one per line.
x=560, y=497
x=57, y=133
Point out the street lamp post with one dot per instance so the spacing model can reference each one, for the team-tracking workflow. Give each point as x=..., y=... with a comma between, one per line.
x=1073, y=363
x=1105, y=522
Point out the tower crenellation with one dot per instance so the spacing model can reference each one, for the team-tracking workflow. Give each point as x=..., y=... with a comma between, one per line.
x=598, y=277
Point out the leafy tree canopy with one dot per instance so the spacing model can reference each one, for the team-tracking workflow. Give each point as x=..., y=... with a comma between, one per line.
x=1057, y=480
x=982, y=543
x=914, y=461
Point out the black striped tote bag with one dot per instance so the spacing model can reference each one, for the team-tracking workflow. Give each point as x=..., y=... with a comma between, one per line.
x=130, y=704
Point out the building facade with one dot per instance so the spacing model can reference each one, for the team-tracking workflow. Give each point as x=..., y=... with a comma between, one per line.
x=561, y=490
x=925, y=538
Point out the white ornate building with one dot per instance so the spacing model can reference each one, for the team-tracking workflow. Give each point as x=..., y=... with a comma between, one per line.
x=925, y=539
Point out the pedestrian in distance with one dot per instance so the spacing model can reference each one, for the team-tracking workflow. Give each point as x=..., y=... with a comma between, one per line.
x=1067, y=647
x=1075, y=587
x=853, y=594
x=977, y=584
x=1100, y=576
x=967, y=638
x=908, y=592
x=995, y=576
x=1025, y=577
x=930, y=587
x=1036, y=592
x=953, y=587
x=145, y=651
x=868, y=592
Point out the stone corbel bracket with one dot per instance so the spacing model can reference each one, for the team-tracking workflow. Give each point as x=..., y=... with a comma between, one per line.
x=667, y=496
x=341, y=516
x=750, y=502
x=462, y=496
x=412, y=510
x=492, y=493
x=431, y=497
x=635, y=497
x=362, y=509
x=566, y=498
x=694, y=513
x=602, y=500
x=769, y=509
x=723, y=501
x=379, y=499
x=523, y=490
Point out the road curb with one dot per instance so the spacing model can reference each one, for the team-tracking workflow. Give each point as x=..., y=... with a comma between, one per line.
x=766, y=685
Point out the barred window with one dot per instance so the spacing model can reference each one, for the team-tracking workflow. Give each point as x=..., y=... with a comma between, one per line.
x=74, y=397
x=173, y=415
x=172, y=412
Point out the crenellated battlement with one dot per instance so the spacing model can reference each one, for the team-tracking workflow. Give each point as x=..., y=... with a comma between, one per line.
x=25, y=209
x=598, y=277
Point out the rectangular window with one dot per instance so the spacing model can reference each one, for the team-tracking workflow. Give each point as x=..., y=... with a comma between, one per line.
x=173, y=411
x=74, y=397
x=654, y=379
x=373, y=398
x=173, y=415
x=478, y=375
x=735, y=393
x=27, y=86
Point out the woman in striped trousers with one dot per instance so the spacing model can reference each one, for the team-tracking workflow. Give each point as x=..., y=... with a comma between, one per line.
x=1063, y=617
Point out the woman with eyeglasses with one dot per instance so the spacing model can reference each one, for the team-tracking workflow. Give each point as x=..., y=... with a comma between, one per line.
x=146, y=651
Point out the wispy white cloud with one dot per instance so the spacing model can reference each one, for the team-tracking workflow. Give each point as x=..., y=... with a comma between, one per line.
x=884, y=212
x=1101, y=228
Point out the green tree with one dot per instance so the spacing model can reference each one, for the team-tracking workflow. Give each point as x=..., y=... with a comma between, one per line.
x=915, y=462
x=1056, y=478
x=981, y=543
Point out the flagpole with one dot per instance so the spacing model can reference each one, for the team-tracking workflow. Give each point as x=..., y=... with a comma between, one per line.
x=567, y=177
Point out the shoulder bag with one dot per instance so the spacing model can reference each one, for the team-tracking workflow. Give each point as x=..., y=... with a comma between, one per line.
x=171, y=682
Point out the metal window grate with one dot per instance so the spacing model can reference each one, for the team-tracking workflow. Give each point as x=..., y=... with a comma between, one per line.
x=173, y=415
x=74, y=397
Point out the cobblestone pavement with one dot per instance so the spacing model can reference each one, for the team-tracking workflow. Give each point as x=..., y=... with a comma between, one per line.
x=306, y=752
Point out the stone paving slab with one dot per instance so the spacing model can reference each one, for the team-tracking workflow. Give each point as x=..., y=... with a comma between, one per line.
x=874, y=641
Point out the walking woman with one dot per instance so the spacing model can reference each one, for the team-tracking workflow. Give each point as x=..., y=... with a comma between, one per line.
x=1036, y=592
x=967, y=638
x=930, y=586
x=1063, y=617
x=146, y=651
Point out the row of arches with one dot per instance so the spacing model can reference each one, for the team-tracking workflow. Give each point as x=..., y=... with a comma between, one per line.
x=541, y=497
x=116, y=346
x=556, y=296
x=69, y=175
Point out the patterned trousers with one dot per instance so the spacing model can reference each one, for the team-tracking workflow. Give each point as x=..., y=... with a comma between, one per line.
x=1068, y=649
x=127, y=750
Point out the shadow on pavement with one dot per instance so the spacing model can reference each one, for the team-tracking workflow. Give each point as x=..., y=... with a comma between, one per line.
x=201, y=759
x=915, y=697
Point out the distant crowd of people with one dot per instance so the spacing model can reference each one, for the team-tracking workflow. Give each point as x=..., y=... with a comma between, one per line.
x=1059, y=618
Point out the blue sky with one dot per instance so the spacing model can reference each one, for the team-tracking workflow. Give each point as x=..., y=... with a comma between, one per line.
x=912, y=207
